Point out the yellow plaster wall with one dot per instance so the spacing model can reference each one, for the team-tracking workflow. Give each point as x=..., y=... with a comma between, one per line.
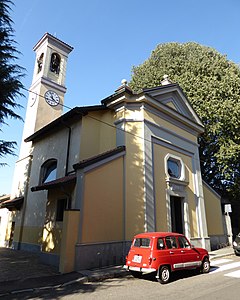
x=8, y=232
x=176, y=129
x=52, y=230
x=103, y=203
x=135, y=205
x=97, y=136
x=51, y=237
x=31, y=234
x=213, y=211
x=160, y=187
x=69, y=240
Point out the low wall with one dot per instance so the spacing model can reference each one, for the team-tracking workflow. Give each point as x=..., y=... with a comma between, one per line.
x=46, y=258
x=218, y=241
x=201, y=242
x=26, y=247
x=98, y=255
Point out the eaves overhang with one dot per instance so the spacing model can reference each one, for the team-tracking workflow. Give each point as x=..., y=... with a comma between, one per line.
x=53, y=40
x=123, y=92
x=60, y=182
x=12, y=204
x=97, y=158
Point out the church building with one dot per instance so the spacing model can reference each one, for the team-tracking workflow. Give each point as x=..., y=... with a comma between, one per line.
x=88, y=180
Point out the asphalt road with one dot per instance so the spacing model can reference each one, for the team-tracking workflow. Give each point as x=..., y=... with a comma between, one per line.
x=221, y=283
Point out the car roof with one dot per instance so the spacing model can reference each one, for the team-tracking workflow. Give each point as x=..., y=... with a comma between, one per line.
x=157, y=234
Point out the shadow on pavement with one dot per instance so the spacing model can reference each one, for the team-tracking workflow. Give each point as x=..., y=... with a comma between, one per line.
x=77, y=289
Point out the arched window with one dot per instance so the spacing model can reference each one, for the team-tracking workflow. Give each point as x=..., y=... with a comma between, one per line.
x=49, y=171
x=55, y=63
x=40, y=62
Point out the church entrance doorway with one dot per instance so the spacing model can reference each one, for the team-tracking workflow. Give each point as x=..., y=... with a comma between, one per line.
x=176, y=204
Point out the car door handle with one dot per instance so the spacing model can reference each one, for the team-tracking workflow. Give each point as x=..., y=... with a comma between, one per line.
x=182, y=251
x=171, y=252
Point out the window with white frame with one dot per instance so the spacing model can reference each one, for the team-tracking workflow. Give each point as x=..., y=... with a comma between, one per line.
x=174, y=167
x=49, y=171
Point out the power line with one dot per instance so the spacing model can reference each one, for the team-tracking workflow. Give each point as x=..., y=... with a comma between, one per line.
x=120, y=129
x=44, y=98
x=96, y=119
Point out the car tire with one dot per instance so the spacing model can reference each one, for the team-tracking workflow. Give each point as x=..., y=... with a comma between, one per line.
x=136, y=274
x=205, y=268
x=237, y=253
x=164, y=274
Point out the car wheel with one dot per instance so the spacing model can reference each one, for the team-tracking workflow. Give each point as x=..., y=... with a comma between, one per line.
x=164, y=274
x=237, y=253
x=136, y=274
x=205, y=266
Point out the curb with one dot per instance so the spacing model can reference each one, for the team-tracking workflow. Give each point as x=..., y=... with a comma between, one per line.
x=212, y=256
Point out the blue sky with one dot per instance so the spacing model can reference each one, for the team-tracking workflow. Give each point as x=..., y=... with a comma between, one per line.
x=109, y=38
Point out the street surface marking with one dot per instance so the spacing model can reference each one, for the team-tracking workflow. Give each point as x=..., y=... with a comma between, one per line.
x=225, y=267
x=217, y=262
x=235, y=274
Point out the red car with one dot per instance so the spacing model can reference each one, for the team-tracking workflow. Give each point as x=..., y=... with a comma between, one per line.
x=163, y=253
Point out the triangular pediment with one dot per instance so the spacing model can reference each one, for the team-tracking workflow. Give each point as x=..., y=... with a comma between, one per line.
x=173, y=98
x=171, y=104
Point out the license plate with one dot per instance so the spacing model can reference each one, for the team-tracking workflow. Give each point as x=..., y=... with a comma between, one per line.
x=137, y=259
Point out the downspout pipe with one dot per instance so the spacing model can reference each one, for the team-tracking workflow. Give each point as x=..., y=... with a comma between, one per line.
x=68, y=147
x=68, y=143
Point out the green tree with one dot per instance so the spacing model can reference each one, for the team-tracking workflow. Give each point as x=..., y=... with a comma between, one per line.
x=212, y=85
x=10, y=75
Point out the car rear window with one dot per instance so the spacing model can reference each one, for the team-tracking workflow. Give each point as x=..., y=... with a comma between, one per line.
x=142, y=242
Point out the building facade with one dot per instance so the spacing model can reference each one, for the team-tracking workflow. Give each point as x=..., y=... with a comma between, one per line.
x=90, y=179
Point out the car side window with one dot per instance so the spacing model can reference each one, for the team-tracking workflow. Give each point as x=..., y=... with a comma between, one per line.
x=183, y=242
x=171, y=242
x=160, y=244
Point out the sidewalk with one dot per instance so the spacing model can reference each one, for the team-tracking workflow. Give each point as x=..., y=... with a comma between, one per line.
x=221, y=252
x=23, y=271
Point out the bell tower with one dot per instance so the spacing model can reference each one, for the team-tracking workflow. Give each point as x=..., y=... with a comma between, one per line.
x=45, y=101
x=46, y=94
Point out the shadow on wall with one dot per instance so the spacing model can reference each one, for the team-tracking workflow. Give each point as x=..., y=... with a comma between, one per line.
x=135, y=189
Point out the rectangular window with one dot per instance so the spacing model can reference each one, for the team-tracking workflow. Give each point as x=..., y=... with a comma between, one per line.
x=174, y=168
x=142, y=242
x=183, y=243
x=171, y=242
x=160, y=244
x=61, y=206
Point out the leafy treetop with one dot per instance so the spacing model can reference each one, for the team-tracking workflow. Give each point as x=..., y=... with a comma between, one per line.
x=10, y=75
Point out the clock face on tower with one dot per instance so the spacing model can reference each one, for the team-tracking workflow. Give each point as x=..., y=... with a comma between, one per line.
x=52, y=98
